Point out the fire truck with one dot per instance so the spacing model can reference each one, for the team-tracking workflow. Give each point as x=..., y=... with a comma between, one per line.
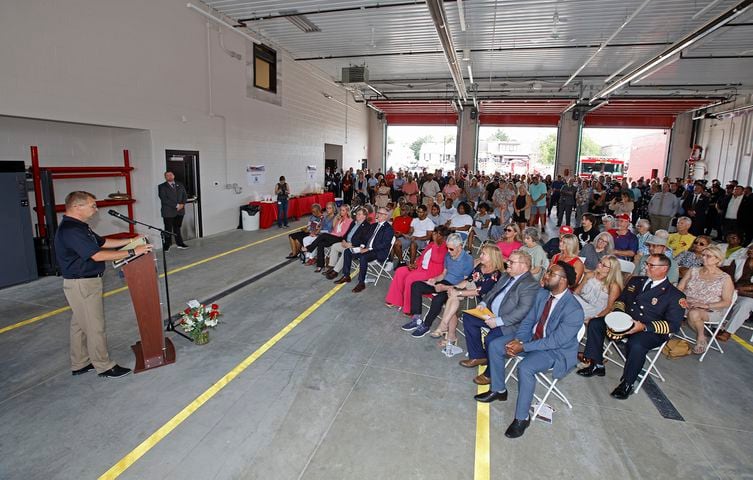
x=590, y=166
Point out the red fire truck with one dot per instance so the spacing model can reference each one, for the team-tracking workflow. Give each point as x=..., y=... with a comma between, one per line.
x=590, y=166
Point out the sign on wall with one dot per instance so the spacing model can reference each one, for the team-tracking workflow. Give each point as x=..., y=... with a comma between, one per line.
x=256, y=174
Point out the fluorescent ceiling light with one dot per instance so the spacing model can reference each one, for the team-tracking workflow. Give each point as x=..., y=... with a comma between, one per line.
x=461, y=15
x=376, y=91
x=300, y=21
x=619, y=70
x=470, y=74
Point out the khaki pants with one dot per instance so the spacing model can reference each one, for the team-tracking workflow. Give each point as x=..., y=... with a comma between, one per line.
x=336, y=256
x=88, y=340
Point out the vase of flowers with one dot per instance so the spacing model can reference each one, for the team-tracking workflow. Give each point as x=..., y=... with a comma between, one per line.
x=198, y=318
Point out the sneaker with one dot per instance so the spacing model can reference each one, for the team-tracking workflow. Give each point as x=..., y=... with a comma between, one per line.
x=420, y=331
x=450, y=350
x=182, y=247
x=116, y=372
x=81, y=371
x=415, y=321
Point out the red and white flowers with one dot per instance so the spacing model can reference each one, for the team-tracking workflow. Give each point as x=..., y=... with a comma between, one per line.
x=198, y=317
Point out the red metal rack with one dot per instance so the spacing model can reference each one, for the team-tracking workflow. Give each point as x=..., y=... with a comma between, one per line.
x=59, y=173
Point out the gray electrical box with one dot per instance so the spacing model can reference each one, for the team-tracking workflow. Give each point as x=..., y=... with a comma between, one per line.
x=18, y=262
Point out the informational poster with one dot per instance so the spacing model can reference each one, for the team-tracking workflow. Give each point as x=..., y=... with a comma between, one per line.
x=255, y=174
x=311, y=173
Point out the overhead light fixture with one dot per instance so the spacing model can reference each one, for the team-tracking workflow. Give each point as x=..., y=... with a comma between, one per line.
x=373, y=108
x=300, y=21
x=376, y=91
x=619, y=71
x=657, y=70
x=470, y=74
x=439, y=17
x=461, y=15
x=222, y=22
x=467, y=55
x=677, y=47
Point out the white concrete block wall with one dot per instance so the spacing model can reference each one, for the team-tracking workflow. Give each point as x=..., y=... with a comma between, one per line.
x=728, y=144
x=142, y=65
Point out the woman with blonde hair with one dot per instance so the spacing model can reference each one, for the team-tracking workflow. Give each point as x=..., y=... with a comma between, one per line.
x=485, y=274
x=569, y=251
x=708, y=291
x=600, y=288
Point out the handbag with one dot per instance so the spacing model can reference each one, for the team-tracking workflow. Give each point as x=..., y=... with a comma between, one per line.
x=676, y=348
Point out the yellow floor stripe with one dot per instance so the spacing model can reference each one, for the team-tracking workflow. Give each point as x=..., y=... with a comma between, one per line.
x=482, y=464
x=52, y=313
x=747, y=346
x=173, y=423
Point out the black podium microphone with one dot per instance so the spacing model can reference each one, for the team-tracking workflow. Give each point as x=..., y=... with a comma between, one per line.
x=120, y=216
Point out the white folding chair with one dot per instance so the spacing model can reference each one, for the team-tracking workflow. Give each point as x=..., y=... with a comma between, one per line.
x=647, y=370
x=376, y=269
x=626, y=267
x=550, y=383
x=712, y=328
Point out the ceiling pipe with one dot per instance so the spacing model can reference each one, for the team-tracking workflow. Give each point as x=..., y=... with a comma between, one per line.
x=606, y=42
x=619, y=71
x=436, y=9
x=223, y=23
x=677, y=47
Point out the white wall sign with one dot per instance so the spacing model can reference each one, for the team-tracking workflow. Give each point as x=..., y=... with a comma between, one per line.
x=255, y=174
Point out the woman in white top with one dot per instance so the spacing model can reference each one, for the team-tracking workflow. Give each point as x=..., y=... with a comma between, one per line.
x=600, y=288
x=461, y=222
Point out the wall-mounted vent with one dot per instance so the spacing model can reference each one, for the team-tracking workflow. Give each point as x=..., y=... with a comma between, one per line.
x=355, y=74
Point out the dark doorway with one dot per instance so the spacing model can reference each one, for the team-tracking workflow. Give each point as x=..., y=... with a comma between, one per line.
x=185, y=165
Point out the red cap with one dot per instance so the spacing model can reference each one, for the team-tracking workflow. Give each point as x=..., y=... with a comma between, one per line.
x=623, y=216
x=566, y=229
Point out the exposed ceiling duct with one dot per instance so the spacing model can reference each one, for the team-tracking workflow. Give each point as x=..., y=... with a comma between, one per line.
x=436, y=9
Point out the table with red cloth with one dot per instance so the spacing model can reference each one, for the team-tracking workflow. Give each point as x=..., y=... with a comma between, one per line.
x=298, y=207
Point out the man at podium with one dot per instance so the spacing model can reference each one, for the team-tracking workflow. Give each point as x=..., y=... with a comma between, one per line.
x=81, y=256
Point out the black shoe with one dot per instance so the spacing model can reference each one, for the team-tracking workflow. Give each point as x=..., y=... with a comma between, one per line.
x=81, y=371
x=623, y=391
x=488, y=397
x=166, y=249
x=182, y=247
x=116, y=372
x=592, y=370
x=517, y=428
x=290, y=257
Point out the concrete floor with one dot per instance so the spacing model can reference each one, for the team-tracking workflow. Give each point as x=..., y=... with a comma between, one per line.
x=346, y=394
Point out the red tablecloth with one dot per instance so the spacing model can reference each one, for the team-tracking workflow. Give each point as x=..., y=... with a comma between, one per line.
x=298, y=207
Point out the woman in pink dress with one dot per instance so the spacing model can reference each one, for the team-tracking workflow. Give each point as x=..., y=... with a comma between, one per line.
x=410, y=190
x=429, y=264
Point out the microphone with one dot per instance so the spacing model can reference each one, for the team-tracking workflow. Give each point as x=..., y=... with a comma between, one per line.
x=120, y=216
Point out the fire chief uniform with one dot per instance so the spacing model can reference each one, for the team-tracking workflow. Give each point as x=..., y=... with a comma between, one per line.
x=659, y=307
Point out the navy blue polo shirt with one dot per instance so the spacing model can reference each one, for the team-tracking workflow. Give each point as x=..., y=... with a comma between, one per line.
x=75, y=244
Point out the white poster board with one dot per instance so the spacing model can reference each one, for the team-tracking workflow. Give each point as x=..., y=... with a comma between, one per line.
x=311, y=173
x=256, y=175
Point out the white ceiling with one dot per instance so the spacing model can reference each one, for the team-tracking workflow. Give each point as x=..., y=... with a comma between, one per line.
x=514, y=44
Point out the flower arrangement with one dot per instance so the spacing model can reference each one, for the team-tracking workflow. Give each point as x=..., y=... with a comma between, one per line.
x=198, y=318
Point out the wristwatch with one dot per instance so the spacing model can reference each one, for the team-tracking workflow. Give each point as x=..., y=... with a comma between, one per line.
x=131, y=253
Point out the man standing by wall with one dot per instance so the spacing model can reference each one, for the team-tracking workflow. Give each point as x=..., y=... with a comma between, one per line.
x=173, y=197
x=81, y=256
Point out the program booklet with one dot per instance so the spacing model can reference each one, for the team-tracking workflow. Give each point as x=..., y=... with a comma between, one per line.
x=131, y=245
x=479, y=312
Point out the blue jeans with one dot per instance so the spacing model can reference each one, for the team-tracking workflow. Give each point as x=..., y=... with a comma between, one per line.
x=282, y=213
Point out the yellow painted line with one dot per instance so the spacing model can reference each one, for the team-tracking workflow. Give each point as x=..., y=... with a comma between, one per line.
x=482, y=464
x=747, y=346
x=172, y=424
x=52, y=313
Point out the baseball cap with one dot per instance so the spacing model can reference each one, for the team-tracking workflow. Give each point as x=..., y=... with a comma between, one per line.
x=623, y=216
x=564, y=229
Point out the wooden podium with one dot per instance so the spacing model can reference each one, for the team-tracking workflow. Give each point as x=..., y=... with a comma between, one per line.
x=154, y=349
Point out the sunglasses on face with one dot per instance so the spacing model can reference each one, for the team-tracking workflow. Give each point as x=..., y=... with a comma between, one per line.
x=509, y=230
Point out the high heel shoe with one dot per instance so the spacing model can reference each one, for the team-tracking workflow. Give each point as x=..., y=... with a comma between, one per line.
x=438, y=333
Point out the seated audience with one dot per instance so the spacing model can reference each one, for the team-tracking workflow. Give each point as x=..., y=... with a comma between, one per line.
x=656, y=307
x=312, y=229
x=481, y=225
x=587, y=231
x=509, y=300
x=532, y=246
x=743, y=275
x=340, y=226
x=461, y=222
x=607, y=224
x=377, y=247
x=511, y=240
x=429, y=264
x=357, y=233
x=625, y=241
x=734, y=249
x=401, y=226
x=657, y=245
x=600, y=288
x=483, y=278
x=446, y=212
x=602, y=245
x=569, y=251
x=457, y=266
x=682, y=239
x=547, y=338
x=709, y=292
x=692, y=257
x=552, y=247
x=643, y=231
x=421, y=229
x=434, y=215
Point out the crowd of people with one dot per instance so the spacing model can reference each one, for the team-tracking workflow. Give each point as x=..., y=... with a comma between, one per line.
x=450, y=239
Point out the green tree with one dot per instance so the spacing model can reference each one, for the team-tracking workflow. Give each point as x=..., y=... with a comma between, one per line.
x=589, y=147
x=500, y=136
x=416, y=145
x=548, y=149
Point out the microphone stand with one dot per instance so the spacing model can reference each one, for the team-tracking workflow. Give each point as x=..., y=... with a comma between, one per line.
x=169, y=324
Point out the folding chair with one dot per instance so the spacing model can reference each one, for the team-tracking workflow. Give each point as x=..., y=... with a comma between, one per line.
x=376, y=268
x=647, y=370
x=712, y=328
x=626, y=267
x=549, y=383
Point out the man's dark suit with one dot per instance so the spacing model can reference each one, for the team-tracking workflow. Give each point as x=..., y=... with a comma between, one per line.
x=558, y=349
x=170, y=196
x=380, y=249
x=696, y=211
x=517, y=301
x=659, y=308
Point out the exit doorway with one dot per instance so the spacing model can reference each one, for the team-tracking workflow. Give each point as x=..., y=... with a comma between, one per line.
x=185, y=165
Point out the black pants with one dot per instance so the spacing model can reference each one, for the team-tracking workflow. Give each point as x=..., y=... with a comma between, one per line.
x=299, y=236
x=638, y=346
x=173, y=224
x=567, y=210
x=323, y=240
x=419, y=289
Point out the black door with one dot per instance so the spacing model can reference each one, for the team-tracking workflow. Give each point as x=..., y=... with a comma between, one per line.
x=185, y=166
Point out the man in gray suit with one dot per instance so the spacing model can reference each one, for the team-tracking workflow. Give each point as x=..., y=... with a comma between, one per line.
x=547, y=338
x=510, y=300
x=173, y=197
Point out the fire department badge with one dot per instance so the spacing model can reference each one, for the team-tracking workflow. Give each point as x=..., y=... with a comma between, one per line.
x=654, y=301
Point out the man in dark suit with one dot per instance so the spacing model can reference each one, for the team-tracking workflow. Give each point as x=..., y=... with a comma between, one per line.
x=657, y=308
x=510, y=300
x=173, y=197
x=547, y=338
x=696, y=206
x=376, y=248
x=358, y=233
